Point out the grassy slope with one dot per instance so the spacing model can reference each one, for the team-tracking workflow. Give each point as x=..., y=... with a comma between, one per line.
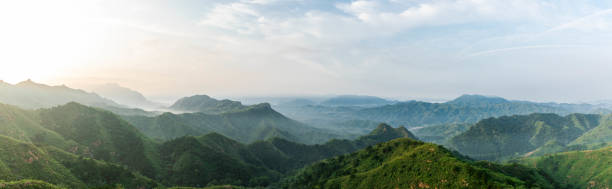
x=20, y=160
x=27, y=184
x=598, y=135
x=403, y=163
x=578, y=169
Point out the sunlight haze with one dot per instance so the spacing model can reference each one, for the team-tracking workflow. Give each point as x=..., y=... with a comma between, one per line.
x=532, y=50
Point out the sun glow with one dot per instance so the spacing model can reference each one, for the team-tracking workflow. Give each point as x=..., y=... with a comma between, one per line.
x=41, y=39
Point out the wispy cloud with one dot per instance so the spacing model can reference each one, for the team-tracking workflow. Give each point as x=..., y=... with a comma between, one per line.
x=345, y=46
x=597, y=21
x=501, y=50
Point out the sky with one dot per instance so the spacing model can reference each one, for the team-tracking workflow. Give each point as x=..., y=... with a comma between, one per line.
x=519, y=49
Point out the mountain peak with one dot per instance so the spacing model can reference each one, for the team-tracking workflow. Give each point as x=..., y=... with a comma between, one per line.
x=206, y=104
x=385, y=130
x=29, y=82
x=381, y=128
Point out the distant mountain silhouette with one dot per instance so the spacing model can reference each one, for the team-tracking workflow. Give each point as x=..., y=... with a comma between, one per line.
x=32, y=95
x=356, y=100
x=125, y=96
x=206, y=104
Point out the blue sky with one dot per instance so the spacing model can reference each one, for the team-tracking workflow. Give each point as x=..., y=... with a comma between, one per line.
x=523, y=49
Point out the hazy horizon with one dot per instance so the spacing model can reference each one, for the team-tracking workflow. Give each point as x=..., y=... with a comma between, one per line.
x=519, y=50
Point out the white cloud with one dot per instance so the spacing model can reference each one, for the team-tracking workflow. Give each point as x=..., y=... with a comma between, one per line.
x=238, y=17
x=393, y=46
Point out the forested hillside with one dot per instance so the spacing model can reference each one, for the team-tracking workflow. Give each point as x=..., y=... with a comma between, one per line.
x=523, y=135
x=257, y=164
x=77, y=146
x=577, y=169
x=406, y=163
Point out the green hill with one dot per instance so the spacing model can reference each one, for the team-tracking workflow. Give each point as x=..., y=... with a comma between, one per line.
x=602, y=134
x=20, y=160
x=577, y=169
x=406, y=163
x=101, y=135
x=94, y=147
x=216, y=159
x=50, y=134
x=25, y=126
x=96, y=173
x=188, y=162
x=523, y=135
x=253, y=123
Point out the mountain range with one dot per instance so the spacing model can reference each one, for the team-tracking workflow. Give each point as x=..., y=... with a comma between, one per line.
x=510, y=137
x=464, y=109
x=78, y=146
x=59, y=137
x=31, y=95
x=249, y=124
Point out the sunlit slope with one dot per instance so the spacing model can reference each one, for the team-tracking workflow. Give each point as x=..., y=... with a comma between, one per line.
x=406, y=163
x=102, y=135
x=600, y=135
x=25, y=126
x=19, y=160
x=578, y=169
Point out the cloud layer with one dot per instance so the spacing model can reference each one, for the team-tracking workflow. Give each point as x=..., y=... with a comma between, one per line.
x=538, y=50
